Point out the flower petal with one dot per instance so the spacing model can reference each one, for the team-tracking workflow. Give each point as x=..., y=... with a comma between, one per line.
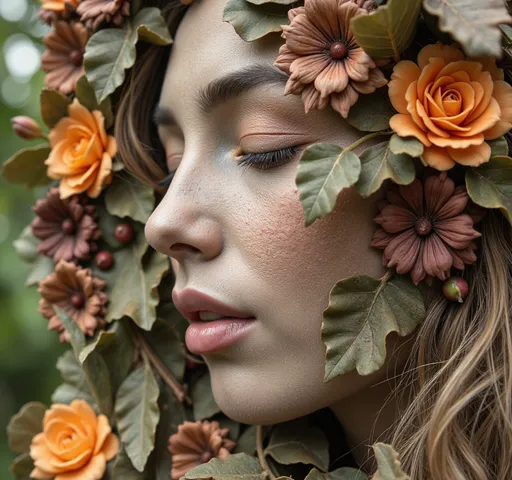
x=438, y=190
x=438, y=50
x=404, y=73
x=313, y=100
x=437, y=260
x=305, y=69
x=394, y=219
x=455, y=205
x=332, y=79
x=455, y=142
x=418, y=271
x=341, y=102
x=503, y=94
x=458, y=232
x=324, y=14
x=303, y=38
x=472, y=156
x=404, y=126
x=93, y=470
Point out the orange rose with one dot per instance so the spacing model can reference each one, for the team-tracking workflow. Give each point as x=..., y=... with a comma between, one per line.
x=451, y=104
x=58, y=5
x=75, y=444
x=81, y=153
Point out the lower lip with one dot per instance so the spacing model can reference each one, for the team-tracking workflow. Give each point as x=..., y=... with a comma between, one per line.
x=206, y=337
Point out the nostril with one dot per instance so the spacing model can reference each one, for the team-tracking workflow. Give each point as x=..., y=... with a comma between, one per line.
x=177, y=248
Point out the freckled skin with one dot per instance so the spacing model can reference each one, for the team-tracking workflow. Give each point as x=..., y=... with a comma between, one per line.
x=250, y=246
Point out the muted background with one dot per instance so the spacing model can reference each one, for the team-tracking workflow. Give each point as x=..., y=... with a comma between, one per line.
x=28, y=352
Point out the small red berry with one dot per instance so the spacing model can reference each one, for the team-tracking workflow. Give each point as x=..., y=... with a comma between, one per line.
x=124, y=232
x=104, y=260
x=456, y=289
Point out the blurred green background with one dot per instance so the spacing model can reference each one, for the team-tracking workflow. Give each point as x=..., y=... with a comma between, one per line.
x=28, y=352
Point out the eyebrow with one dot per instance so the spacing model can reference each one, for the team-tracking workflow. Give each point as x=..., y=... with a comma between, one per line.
x=226, y=88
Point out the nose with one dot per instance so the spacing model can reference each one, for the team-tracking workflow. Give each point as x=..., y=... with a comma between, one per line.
x=183, y=225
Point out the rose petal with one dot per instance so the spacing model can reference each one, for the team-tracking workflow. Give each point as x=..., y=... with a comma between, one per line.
x=503, y=94
x=404, y=126
x=455, y=142
x=472, y=156
x=93, y=470
x=404, y=73
x=489, y=118
x=448, y=53
x=428, y=75
x=484, y=79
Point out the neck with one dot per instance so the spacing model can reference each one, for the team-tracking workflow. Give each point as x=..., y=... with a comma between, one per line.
x=367, y=418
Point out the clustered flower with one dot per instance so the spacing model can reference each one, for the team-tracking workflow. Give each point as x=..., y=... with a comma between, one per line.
x=75, y=443
x=196, y=443
x=324, y=61
x=425, y=230
x=67, y=228
x=94, y=13
x=63, y=58
x=451, y=104
x=78, y=293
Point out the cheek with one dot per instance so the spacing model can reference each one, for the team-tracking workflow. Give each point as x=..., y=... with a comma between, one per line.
x=279, y=246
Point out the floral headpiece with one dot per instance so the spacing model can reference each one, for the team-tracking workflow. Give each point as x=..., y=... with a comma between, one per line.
x=421, y=75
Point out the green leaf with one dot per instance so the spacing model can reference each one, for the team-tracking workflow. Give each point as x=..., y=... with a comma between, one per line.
x=389, y=30
x=86, y=96
x=166, y=343
x=372, y=112
x=127, y=197
x=387, y=461
x=202, y=398
x=54, y=107
x=406, y=145
x=296, y=442
x=379, y=163
x=27, y=167
x=23, y=426
x=124, y=469
x=40, y=269
x=246, y=443
x=490, y=185
x=473, y=23
x=362, y=312
x=499, y=147
x=137, y=414
x=252, y=21
x=22, y=467
x=133, y=282
x=117, y=349
x=95, y=369
x=75, y=385
x=26, y=245
x=324, y=171
x=111, y=51
x=344, y=473
x=236, y=467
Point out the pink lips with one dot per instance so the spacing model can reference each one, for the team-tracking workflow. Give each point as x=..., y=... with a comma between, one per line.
x=209, y=336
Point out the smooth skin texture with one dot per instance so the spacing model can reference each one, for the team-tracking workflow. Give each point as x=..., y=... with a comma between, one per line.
x=237, y=233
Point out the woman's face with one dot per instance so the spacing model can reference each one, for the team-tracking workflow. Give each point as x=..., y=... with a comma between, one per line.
x=236, y=232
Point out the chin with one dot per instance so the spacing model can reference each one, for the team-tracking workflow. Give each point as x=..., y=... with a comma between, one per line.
x=262, y=399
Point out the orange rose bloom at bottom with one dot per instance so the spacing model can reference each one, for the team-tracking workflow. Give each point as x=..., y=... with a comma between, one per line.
x=75, y=444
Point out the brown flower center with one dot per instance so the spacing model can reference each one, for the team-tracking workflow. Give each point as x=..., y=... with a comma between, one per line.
x=68, y=226
x=78, y=300
x=76, y=57
x=338, y=51
x=423, y=226
x=206, y=456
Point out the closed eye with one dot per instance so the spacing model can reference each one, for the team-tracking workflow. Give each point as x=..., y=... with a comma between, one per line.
x=268, y=160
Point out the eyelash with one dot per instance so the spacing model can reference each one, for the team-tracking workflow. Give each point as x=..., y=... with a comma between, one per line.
x=260, y=161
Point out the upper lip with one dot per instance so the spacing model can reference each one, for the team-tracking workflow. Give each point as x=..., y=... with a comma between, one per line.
x=190, y=302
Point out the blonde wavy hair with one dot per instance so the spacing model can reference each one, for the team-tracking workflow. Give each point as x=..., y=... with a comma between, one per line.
x=458, y=421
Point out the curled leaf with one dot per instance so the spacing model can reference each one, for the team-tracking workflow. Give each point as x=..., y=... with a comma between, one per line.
x=27, y=423
x=389, y=30
x=490, y=185
x=387, y=461
x=324, y=171
x=473, y=23
x=54, y=107
x=362, y=312
x=27, y=167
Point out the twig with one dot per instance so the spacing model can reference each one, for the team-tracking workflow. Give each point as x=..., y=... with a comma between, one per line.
x=167, y=376
x=261, y=455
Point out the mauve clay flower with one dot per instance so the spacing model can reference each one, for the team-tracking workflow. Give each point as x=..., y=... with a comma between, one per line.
x=451, y=104
x=325, y=64
x=78, y=293
x=196, y=443
x=63, y=58
x=94, y=13
x=67, y=228
x=424, y=230
x=75, y=444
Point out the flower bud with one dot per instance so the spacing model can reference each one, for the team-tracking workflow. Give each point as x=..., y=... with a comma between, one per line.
x=26, y=127
x=455, y=289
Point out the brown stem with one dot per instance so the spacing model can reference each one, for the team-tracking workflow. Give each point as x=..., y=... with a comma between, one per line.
x=167, y=376
x=261, y=455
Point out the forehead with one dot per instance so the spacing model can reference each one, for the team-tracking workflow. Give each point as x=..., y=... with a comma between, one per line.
x=206, y=48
